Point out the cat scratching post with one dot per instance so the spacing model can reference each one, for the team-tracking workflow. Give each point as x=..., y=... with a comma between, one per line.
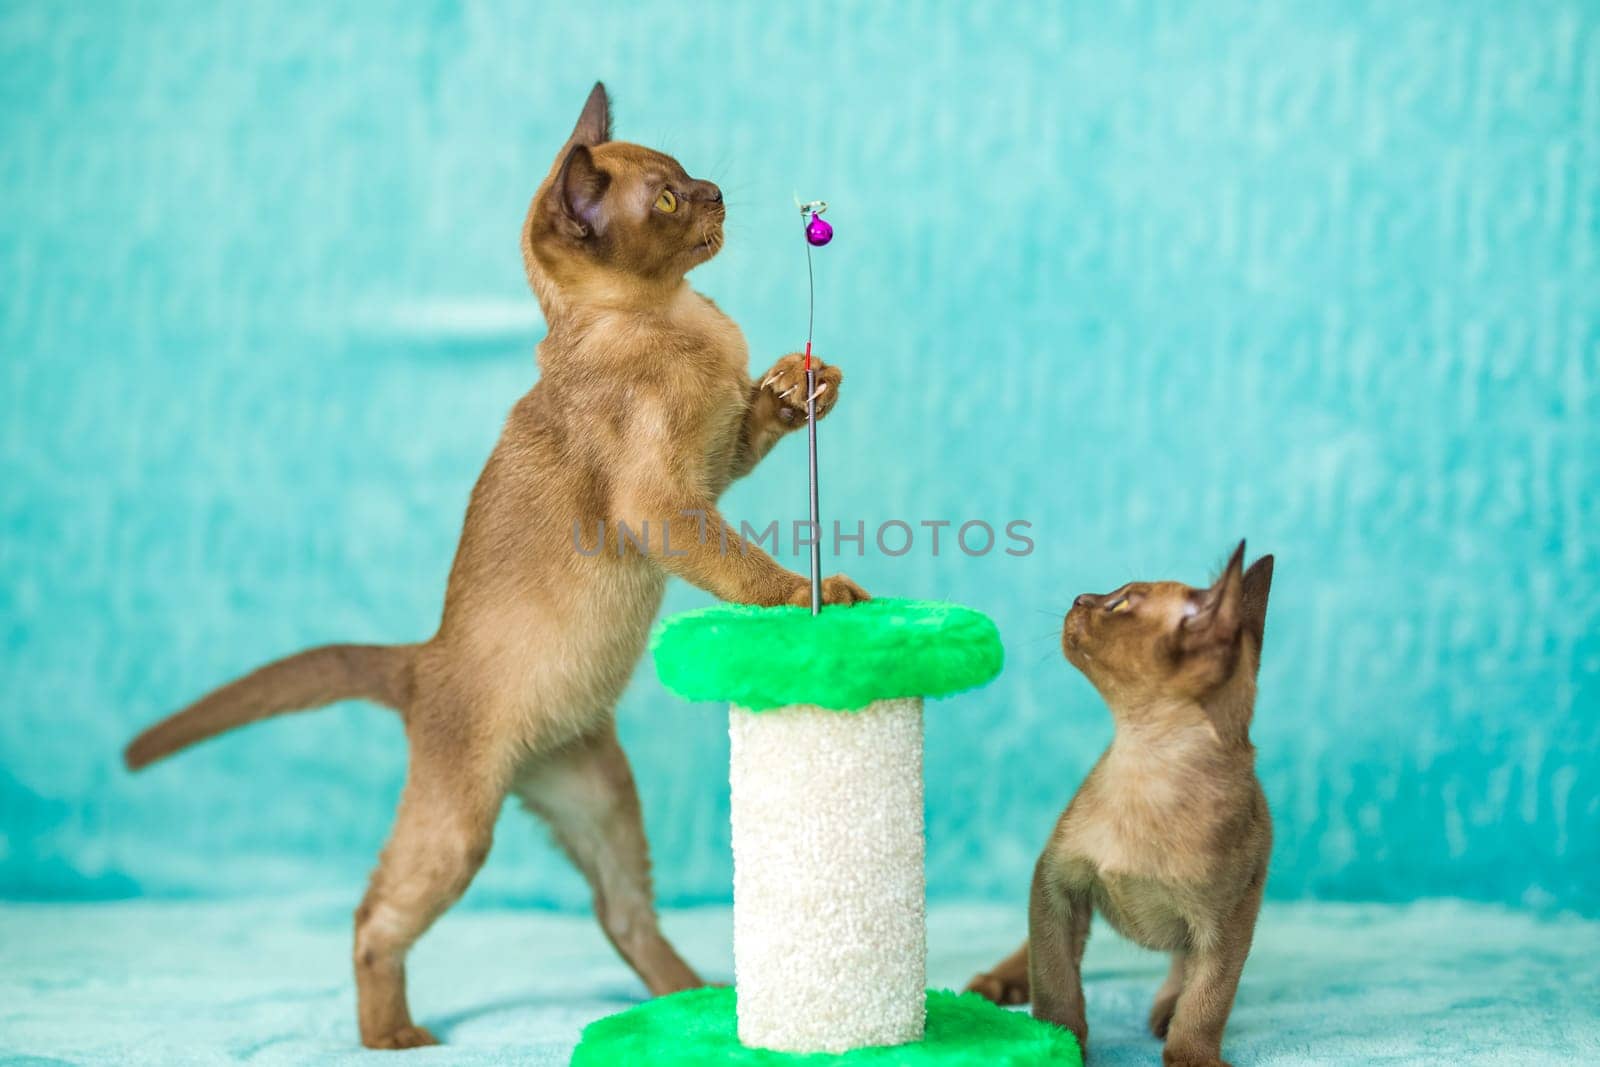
x=829, y=926
x=828, y=919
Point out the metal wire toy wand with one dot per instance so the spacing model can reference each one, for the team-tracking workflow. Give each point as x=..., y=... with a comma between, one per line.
x=818, y=233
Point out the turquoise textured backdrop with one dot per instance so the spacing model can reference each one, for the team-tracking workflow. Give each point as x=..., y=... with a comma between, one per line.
x=1149, y=276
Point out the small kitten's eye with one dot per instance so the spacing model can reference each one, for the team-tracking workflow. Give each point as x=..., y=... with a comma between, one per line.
x=667, y=202
x=1119, y=604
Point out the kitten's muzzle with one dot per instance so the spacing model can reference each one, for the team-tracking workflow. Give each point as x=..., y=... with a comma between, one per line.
x=704, y=192
x=1072, y=624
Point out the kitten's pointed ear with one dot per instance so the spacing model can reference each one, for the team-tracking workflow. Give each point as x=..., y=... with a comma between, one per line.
x=594, y=124
x=1257, y=586
x=1220, y=610
x=579, y=189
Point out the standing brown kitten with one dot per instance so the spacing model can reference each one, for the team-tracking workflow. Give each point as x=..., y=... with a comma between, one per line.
x=643, y=414
x=1169, y=836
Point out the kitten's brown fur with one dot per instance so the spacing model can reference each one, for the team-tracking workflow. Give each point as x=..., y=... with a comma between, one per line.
x=644, y=412
x=1169, y=836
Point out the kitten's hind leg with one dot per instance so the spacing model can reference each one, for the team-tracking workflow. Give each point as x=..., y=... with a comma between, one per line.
x=441, y=836
x=585, y=791
x=1006, y=982
x=1166, y=1001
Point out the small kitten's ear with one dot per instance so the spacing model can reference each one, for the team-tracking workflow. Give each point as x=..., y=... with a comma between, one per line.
x=1257, y=586
x=1219, y=612
x=594, y=125
x=579, y=189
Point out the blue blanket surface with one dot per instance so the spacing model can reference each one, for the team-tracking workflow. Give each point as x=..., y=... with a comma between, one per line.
x=268, y=982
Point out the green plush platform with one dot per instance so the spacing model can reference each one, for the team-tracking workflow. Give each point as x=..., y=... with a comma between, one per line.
x=700, y=1027
x=843, y=659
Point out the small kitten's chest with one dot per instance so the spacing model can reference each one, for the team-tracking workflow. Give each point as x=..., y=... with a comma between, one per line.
x=1138, y=876
x=1153, y=835
x=1145, y=813
x=1146, y=911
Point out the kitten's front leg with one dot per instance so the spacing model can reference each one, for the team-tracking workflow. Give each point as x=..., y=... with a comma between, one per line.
x=1058, y=929
x=1210, y=982
x=691, y=539
x=658, y=496
x=778, y=405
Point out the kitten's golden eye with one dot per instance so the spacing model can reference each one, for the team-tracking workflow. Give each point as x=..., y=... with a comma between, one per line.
x=667, y=202
x=1122, y=603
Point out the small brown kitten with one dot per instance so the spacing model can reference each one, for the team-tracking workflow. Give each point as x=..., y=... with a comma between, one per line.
x=1169, y=836
x=644, y=412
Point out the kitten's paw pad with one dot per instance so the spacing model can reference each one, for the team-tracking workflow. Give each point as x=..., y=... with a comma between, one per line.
x=1161, y=1016
x=998, y=990
x=786, y=382
x=835, y=590
x=405, y=1037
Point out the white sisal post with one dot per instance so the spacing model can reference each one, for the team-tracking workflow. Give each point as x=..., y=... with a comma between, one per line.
x=829, y=908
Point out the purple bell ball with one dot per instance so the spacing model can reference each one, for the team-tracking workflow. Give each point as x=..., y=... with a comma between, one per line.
x=818, y=232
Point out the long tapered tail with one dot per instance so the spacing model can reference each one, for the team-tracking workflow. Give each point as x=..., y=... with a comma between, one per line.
x=309, y=679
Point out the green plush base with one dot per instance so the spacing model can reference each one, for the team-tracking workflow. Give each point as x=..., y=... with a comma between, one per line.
x=843, y=659
x=700, y=1028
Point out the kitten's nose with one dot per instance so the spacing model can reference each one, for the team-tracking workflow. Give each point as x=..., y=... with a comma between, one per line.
x=710, y=193
x=1083, y=600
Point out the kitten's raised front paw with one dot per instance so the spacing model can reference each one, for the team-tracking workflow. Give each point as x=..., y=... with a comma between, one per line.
x=405, y=1037
x=786, y=382
x=835, y=590
x=998, y=989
